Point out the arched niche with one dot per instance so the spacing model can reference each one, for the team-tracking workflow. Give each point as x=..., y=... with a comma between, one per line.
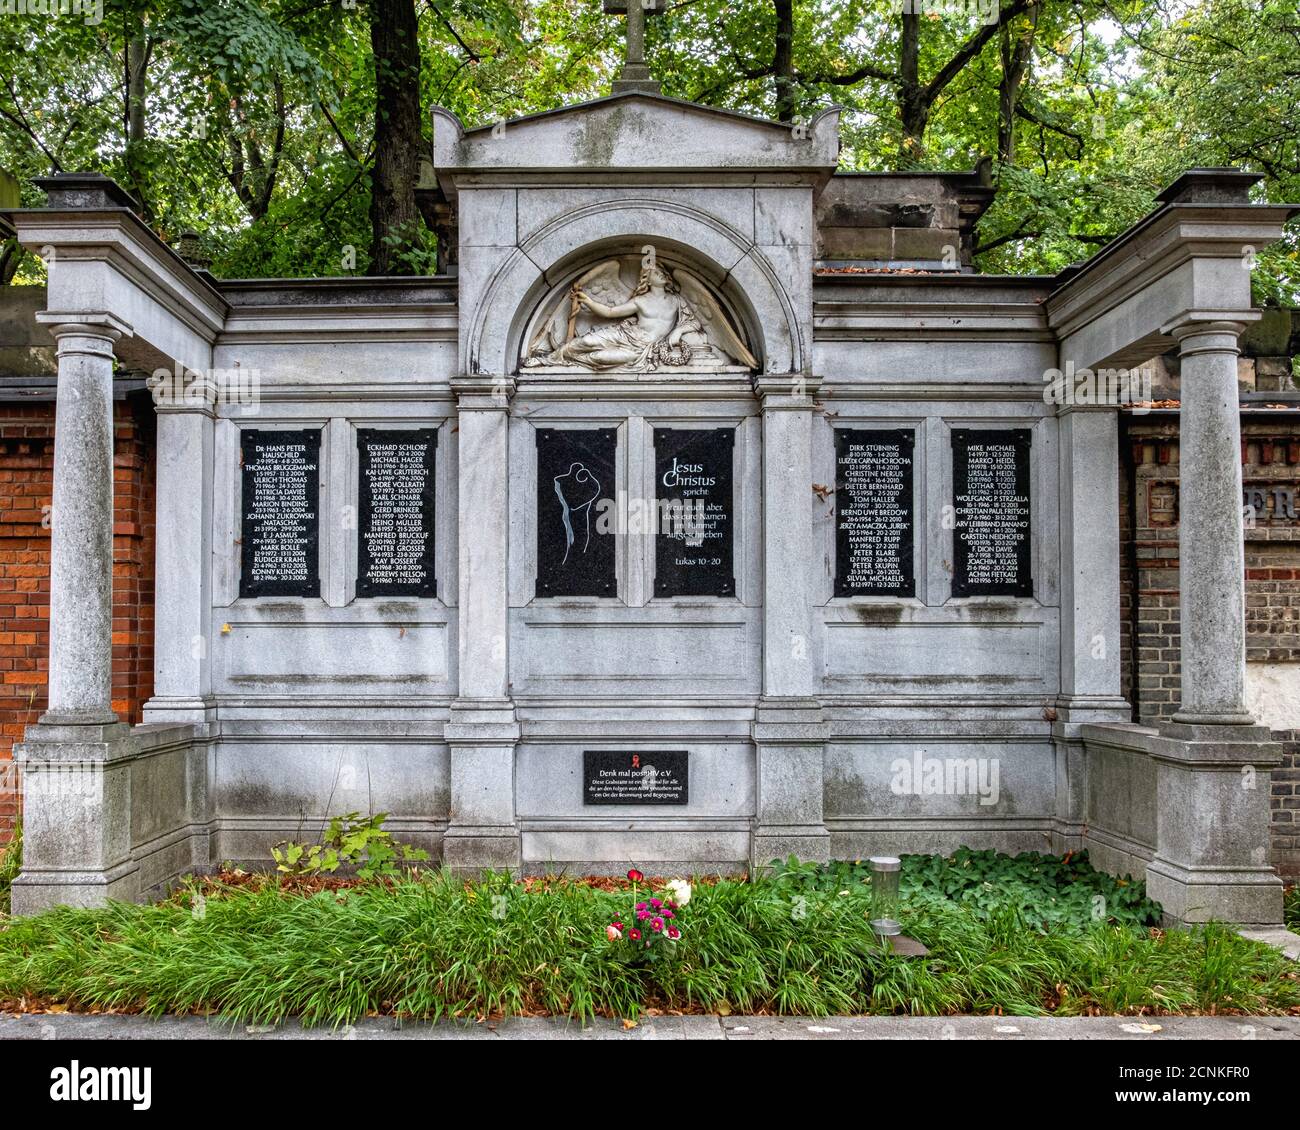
x=506, y=304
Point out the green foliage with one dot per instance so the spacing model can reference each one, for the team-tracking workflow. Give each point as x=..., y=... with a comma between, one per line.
x=351, y=841
x=258, y=123
x=11, y=862
x=1291, y=908
x=439, y=947
x=1044, y=892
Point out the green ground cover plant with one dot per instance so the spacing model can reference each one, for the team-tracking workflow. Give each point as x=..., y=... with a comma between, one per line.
x=435, y=946
x=1048, y=892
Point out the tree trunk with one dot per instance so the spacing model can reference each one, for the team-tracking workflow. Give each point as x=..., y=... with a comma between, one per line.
x=394, y=216
x=783, y=60
x=913, y=106
x=1016, y=51
x=138, y=50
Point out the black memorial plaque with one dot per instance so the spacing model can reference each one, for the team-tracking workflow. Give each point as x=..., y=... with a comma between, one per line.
x=280, y=519
x=991, y=539
x=634, y=776
x=694, y=553
x=395, y=490
x=873, y=512
x=575, y=493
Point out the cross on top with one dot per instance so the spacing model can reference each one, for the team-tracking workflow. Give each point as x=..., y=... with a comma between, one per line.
x=635, y=74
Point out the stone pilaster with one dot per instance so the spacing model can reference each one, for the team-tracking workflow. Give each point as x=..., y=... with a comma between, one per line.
x=789, y=731
x=182, y=586
x=1090, y=593
x=482, y=731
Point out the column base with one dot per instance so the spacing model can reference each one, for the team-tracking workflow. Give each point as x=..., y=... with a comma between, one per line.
x=1212, y=822
x=482, y=832
x=76, y=815
x=811, y=844
x=790, y=748
x=1229, y=894
x=37, y=890
x=472, y=851
x=1196, y=718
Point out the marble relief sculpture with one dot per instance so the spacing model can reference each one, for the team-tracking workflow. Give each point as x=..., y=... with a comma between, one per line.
x=669, y=319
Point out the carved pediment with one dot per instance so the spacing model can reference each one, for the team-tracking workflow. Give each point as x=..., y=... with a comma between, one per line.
x=637, y=314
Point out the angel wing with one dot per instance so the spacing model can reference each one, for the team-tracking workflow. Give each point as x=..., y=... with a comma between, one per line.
x=712, y=317
x=604, y=284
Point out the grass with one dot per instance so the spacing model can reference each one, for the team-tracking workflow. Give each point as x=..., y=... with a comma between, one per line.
x=1291, y=907
x=438, y=947
x=11, y=861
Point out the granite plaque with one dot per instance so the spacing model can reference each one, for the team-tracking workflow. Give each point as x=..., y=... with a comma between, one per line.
x=279, y=518
x=637, y=777
x=575, y=497
x=991, y=538
x=694, y=502
x=873, y=512
x=395, y=493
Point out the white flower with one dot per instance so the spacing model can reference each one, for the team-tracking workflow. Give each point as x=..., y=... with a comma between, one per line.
x=681, y=890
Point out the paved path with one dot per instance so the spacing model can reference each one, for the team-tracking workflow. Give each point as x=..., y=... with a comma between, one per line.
x=68, y=1026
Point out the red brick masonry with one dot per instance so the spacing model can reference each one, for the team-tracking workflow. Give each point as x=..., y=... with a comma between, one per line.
x=26, y=476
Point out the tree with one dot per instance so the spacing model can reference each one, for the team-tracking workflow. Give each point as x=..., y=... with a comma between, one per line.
x=394, y=217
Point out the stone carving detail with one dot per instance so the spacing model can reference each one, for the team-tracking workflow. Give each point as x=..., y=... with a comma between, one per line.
x=667, y=319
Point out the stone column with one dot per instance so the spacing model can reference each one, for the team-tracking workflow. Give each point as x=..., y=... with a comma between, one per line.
x=1211, y=556
x=1213, y=763
x=81, y=529
x=789, y=731
x=75, y=761
x=482, y=731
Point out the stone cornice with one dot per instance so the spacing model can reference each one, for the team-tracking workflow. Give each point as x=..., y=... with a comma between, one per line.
x=331, y=323
x=120, y=239
x=1168, y=238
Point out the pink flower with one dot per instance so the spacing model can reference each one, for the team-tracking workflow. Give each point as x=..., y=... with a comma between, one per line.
x=640, y=906
x=613, y=933
x=674, y=933
x=642, y=915
x=667, y=913
x=657, y=925
x=618, y=925
x=656, y=903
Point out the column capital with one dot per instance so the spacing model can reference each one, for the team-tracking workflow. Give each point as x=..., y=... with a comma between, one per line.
x=101, y=324
x=483, y=392
x=1195, y=323
x=786, y=390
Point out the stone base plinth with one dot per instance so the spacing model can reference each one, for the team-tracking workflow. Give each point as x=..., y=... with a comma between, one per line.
x=76, y=816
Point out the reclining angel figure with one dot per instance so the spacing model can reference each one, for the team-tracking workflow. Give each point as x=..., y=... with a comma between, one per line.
x=661, y=323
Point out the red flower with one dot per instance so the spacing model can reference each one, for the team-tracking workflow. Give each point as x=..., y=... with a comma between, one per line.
x=674, y=933
x=635, y=935
x=635, y=876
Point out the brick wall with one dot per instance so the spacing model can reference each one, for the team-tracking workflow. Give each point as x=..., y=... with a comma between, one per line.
x=26, y=470
x=1150, y=644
